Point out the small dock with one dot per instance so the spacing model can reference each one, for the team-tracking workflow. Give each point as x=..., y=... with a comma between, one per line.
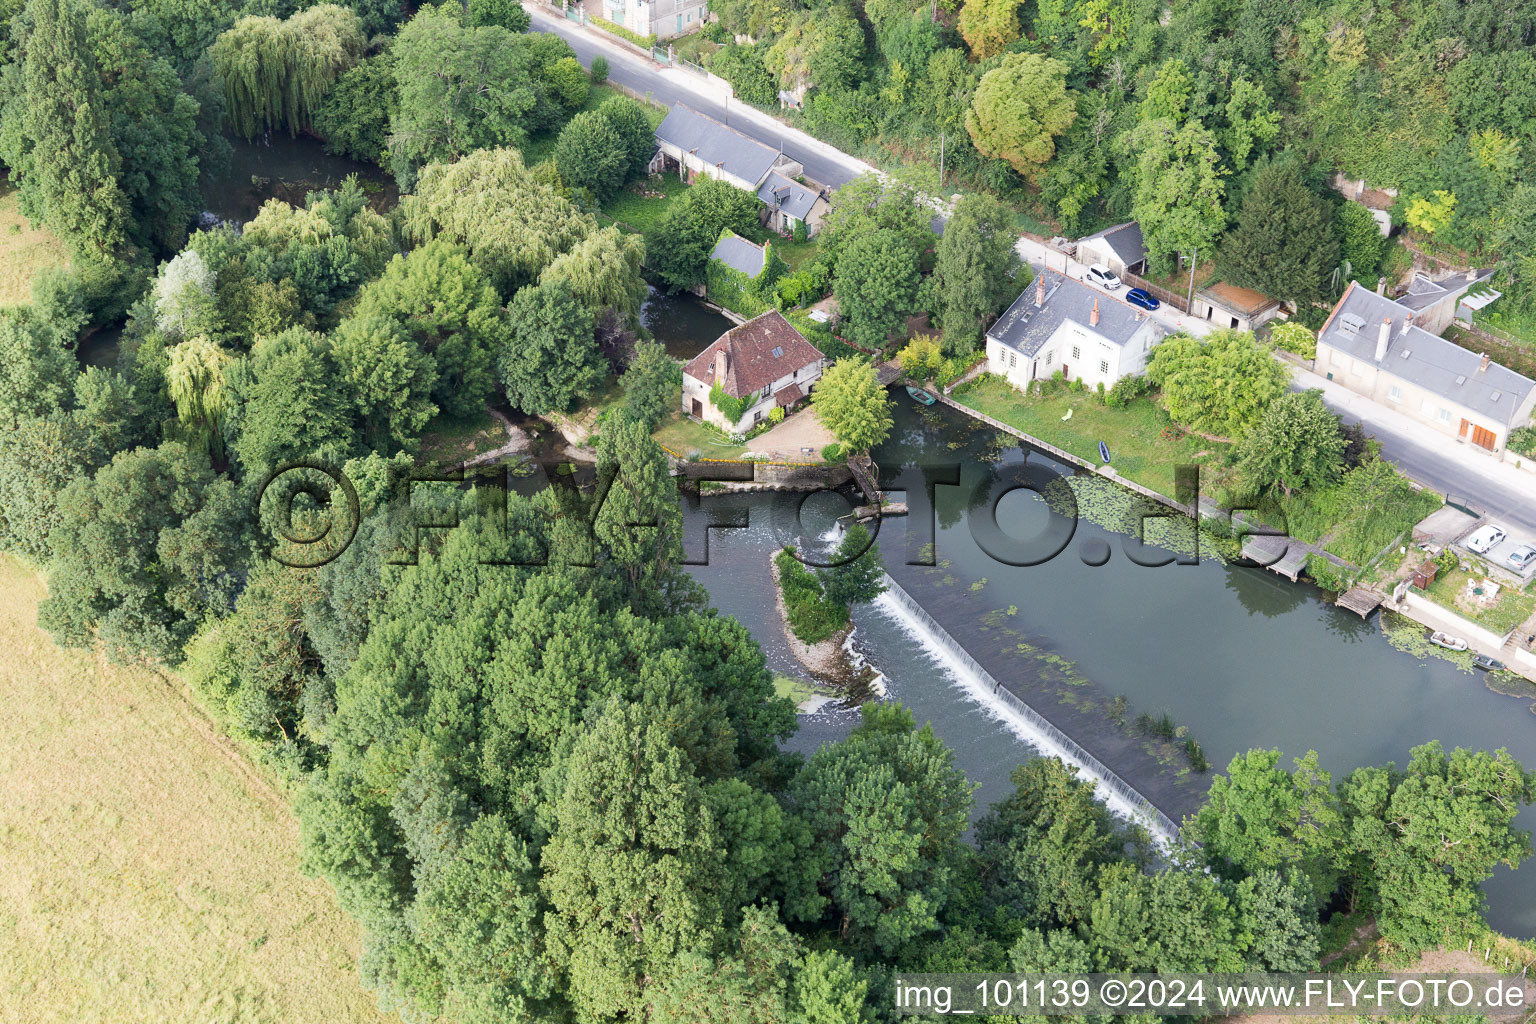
x=888, y=372
x=1360, y=601
x=864, y=474
x=1285, y=555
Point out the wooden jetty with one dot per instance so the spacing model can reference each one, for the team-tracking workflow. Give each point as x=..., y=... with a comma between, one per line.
x=865, y=474
x=1285, y=555
x=888, y=372
x=1360, y=601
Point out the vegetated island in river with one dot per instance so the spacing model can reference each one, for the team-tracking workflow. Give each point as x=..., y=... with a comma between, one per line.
x=817, y=627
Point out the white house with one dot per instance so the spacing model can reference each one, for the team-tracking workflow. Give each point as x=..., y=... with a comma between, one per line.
x=664, y=19
x=1059, y=324
x=1374, y=345
x=764, y=362
x=1119, y=248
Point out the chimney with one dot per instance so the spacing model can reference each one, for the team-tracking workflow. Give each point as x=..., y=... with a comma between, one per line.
x=1381, y=285
x=722, y=361
x=1093, y=317
x=1040, y=289
x=1384, y=338
x=1407, y=323
x=1484, y=365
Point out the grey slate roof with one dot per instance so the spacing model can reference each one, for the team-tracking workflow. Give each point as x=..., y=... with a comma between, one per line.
x=1421, y=358
x=781, y=193
x=1024, y=327
x=716, y=144
x=739, y=254
x=1423, y=292
x=1125, y=241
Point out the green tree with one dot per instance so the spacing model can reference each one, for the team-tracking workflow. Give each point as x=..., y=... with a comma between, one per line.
x=1430, y=835
x=276, y=72
x=38, y=459
x=550, y=357
x=637, y=138
x=1283, y=243
x=507, y=13
x=36, y=367
x=512, y=225
x=354, y=117
x=855, y=574
x=1252, y=122
x=850, y=402
x=1019, y=109
x=638, y=520
x=1296, y=444
x=1259, y=817
x=57, y=136
x=1220, y=385
x=1042, y=845
x=989, y=26
x=450, y=311
x=1361, y=241
x=603, y=271
x=591, y=155
x=461, y=88
x=291, y=405
x=123, y=573
x=1170, y=921
x=677, y=248
x=196, y=381
x=1279, y=917
x=388, y=378
x=1178, y=192
x=884, y=809
x=652, y=384
x=977, y=270
x=876, y=287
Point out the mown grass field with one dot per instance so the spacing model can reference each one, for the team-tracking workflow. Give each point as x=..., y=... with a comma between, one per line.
x=148, y=873
x=23, y=251
x=1142, y=445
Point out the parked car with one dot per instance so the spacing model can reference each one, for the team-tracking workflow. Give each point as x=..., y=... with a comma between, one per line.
x=1143, y=298
x=1483, y=538
x=1520, y=558
x=1102, y=276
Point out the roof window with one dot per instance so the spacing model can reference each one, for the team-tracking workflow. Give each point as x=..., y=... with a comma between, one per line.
x=778, y=350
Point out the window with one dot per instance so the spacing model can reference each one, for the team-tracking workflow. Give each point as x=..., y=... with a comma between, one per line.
x=778, y=352
x=1077, y=353
x=1395, y=394
x=1012, y=360
x=1445, y=415
x=1050, y=357
x=1103, y=365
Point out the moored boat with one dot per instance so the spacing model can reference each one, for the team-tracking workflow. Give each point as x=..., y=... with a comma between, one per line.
x=1450, y=643
x=919, y=395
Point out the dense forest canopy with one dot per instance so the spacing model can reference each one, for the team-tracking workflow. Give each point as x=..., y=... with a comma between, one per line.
x=531, y=760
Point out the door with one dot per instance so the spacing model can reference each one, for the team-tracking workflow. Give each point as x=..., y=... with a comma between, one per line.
x=1482, y=438
x=1464, y=425
x=698, y=408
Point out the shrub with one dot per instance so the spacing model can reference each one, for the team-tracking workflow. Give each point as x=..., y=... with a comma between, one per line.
x=833, y=453
x=776, y=414
x=954, y=368
x=731, y=408
x=1522, y=441
x=812, y=616
x=622, y=32
x=599, y=69
x=1126, y=390
x=1294, y=337
x=920, y=358
x=1325, y=574
x=799, y=232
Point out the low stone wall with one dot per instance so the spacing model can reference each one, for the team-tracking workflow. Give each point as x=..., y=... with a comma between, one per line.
x=766, y=476
x=1422, y=609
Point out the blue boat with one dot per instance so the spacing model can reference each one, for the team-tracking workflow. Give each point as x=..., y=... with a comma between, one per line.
x=1103, y=451
x=919, y=395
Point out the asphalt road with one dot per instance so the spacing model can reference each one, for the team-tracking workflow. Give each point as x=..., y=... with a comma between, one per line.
x=822, y=163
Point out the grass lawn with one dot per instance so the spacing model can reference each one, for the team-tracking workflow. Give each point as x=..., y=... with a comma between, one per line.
x=1512, y=607
x=683, y=435
x=1138, y=445
x=447, y=441
x=797, y=690
x=23, y=250
x=634, y=210
x=797, y=254
x=148, y=871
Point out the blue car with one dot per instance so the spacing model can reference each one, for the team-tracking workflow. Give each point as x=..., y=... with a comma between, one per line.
x=1141, y=297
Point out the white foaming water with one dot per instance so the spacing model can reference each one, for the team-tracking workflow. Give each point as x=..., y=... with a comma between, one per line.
x=941, y=649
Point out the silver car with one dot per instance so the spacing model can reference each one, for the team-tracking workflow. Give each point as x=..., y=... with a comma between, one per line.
x=1483, y=538
x=1520, y=558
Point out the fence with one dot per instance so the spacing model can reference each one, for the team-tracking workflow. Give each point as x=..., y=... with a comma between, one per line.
x=1173, y=299
x=1051, y=739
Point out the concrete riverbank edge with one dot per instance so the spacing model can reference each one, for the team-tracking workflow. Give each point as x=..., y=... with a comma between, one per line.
x=1421, y=610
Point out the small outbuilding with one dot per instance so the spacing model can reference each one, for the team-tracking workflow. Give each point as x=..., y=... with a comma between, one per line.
x=1227, y=305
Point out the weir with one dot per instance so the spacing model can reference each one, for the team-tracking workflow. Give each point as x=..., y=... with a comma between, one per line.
x=1026, y=722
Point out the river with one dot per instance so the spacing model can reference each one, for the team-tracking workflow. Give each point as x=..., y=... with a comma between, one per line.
x=1234, y=655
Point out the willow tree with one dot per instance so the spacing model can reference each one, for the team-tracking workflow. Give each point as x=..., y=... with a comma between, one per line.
x=275, y=72
x=194, y=376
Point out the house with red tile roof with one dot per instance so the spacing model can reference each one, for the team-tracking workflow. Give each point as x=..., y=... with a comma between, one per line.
x=759, y=365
